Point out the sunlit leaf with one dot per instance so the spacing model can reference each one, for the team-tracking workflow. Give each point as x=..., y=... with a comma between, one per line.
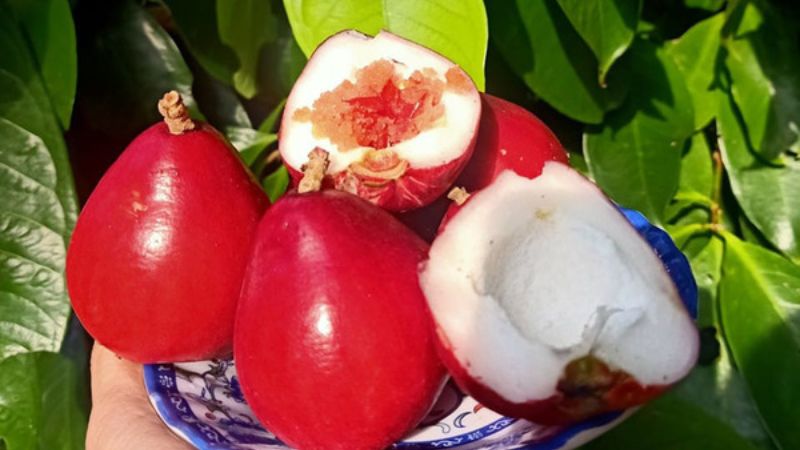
x=769, y=194
x=635, y=156
x=715, y=386
x=542, y=47
x=765, y=72
x=760, y=303
x=695, y=54
x=456, y=30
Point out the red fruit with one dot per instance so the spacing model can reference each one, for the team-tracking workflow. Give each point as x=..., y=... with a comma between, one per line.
x=158, y=254
x=557, y=309
x=334, y=344
x=398, y=120
x=509, y=138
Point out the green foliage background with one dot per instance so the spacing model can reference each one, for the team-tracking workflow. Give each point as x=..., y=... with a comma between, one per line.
x=687, y=110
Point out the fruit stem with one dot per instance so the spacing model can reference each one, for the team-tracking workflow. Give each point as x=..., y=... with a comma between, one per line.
x=458, y=195
x=175, y=114
x=716, y=209
x=314, y=171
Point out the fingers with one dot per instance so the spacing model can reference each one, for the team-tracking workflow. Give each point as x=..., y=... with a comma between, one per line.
x=122, y=417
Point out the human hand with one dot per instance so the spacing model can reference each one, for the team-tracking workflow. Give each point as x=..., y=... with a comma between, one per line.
x=122, y=417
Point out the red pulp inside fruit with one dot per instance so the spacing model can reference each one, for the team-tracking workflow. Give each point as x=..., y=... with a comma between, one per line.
x=381, y=108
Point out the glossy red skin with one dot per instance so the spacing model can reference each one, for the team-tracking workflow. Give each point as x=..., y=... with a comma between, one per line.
x=548, y=411
x=414, y=189
x=157, y=258
x=509, y=137
x=334, y=346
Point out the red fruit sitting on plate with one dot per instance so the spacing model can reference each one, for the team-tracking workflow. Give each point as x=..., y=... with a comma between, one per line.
x=509, y=138
x=334, y=344
x=398, y=120
x=158, y=254
x=557, y=309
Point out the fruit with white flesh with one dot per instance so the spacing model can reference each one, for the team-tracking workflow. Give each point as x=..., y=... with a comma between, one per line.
x=556, y=309
x=398, y=120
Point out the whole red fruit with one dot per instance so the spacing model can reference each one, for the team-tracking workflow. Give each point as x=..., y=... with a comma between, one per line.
x=334, y=344
x=509, y=137
x=158, y=254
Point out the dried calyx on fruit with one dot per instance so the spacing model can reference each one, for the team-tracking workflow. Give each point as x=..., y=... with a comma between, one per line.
x=557, y=309
x=398, y=120
x=156, y=261
x=331, y=305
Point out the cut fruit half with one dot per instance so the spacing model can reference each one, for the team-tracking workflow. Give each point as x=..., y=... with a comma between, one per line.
x=550, y=306
x=398, y=120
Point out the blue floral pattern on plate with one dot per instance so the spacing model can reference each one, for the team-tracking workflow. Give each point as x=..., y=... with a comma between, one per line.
x=202, y=401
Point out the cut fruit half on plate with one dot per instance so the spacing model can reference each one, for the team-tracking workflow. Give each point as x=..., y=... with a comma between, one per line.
x=550, y=306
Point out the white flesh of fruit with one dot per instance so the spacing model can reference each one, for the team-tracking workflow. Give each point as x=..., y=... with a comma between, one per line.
x=338, y=59
x=532, y=274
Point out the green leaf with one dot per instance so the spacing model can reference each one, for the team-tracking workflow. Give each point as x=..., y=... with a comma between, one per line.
x=271, y=121
x=541, y=46
x=245, y=26
x=48, y=27
x=760, y=301
x=670, y=423
x=218, y=102
x=697, y=170
x=695, y=54
x=768, y=194
x=578, y=162
x=457, y=31
x=250, y=143
x=695, y=186
x=197, y=22
x=282, y=61
x=275, y=184
x=607, y=26
x=39, y=404
x=750, y=233
x=635, y=156
x=765, y=71
x=715, y=386
x=708, y=5
x=37, y=204
x=127, y=62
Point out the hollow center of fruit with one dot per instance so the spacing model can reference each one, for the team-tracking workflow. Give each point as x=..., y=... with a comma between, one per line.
x=381, y=108
x=551, y=276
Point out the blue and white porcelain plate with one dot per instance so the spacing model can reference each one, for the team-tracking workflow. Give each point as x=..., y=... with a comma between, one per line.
x=202, y=401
